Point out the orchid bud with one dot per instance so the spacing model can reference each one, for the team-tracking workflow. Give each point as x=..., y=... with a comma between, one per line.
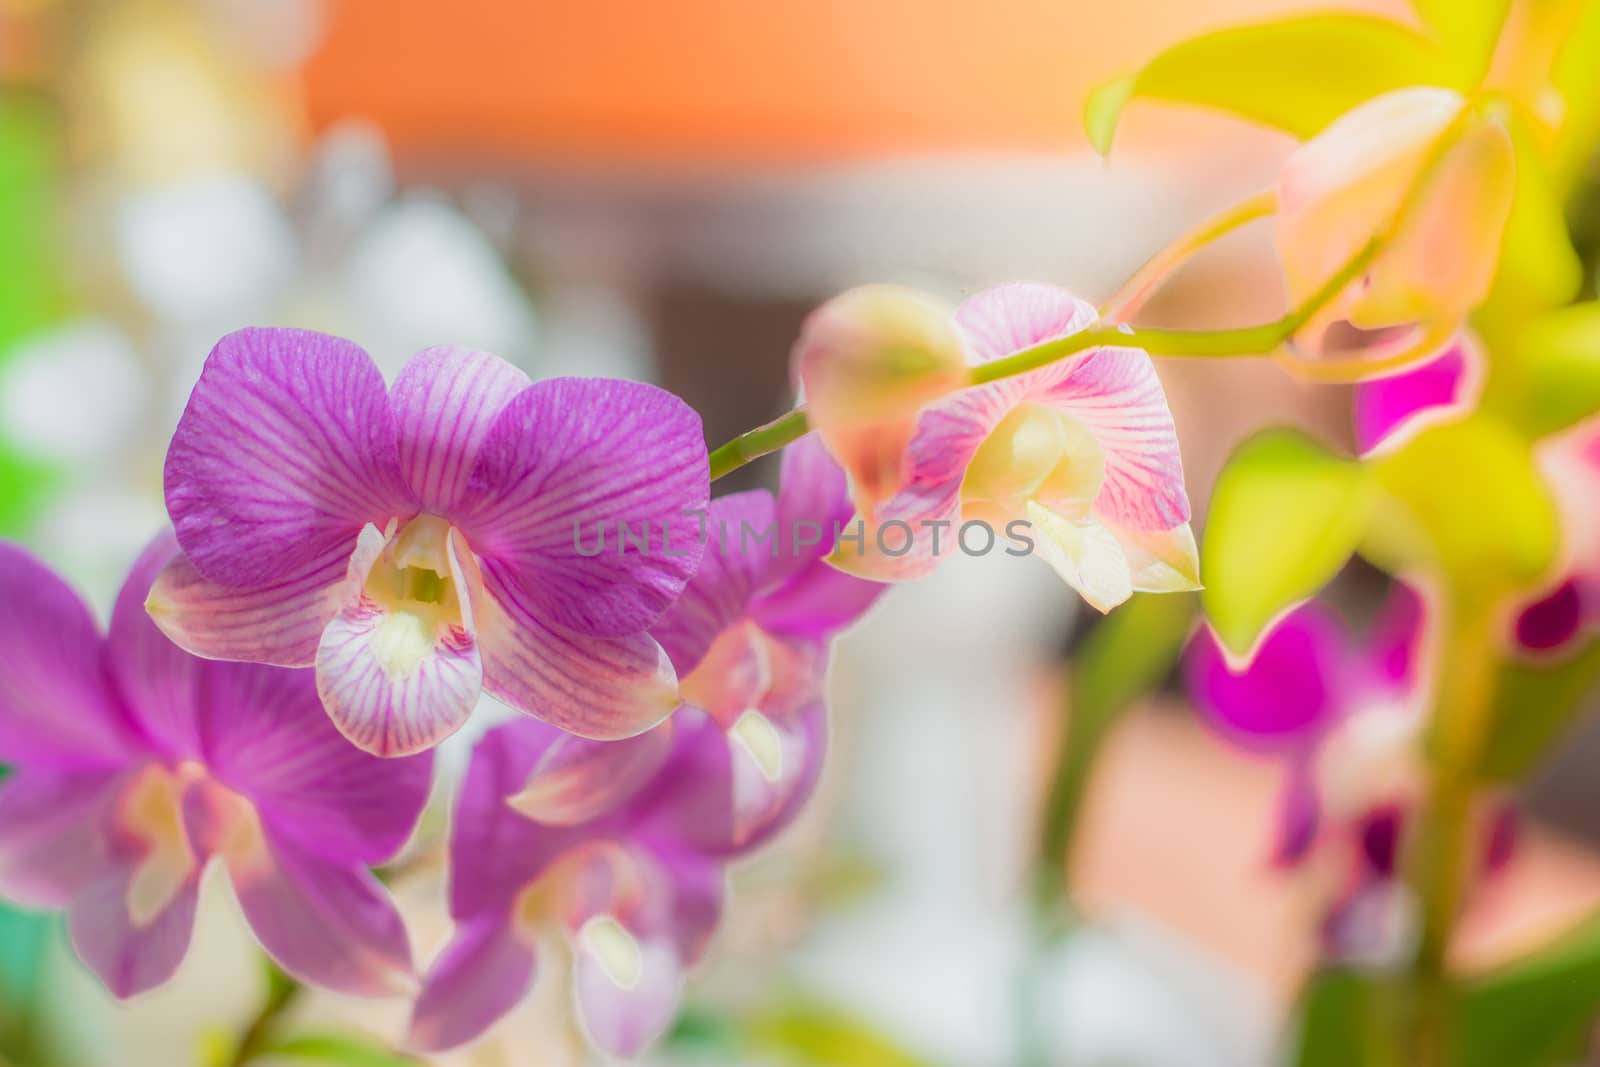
x=1351, y=183
x=868, y=361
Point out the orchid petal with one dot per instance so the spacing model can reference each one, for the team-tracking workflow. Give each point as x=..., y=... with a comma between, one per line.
x=1385, y=406
x=131, y=957
x=1086, y=554
x=577, y=780
x=1004, y=320
x=279, y=623
x=625, y=1004
x=601, y=688
x=1164, y=562
x=1299, y=815
x=331, y=924
x=735, y=564
x=479, y=977
x=1289, y=692
x=158, y=680
x=286, y=449
x=445, y=402
x=1554, y=620
x=51, y=833
x=1394, y=645
x=567, y=456
x=57, y=706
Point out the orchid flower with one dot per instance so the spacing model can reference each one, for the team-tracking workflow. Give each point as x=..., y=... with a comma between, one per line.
x=867, y=361
x=1348, y=185
x=636, y=902
x=134, y=765
x=1344, y=717
x=1389, y=409
x=422, y=543
x=749, y=639
x=1078, y=459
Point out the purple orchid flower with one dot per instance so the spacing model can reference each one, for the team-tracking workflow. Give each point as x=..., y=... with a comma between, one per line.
x=421, y=543
x=1387, y=409
x=637, y=902
x=1083, y=453
x=749, y=638
x=134, y=765
x=1341, y=715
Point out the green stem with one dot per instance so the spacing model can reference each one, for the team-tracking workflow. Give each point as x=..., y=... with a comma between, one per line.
x=753, y=444
x=1443, y=859
x=282, y=993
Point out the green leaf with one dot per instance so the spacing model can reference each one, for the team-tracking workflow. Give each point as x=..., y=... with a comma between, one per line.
x=342, y=1049
x=1468, y=30
x=1554, y=373
x=1534, y=705
x=1285, y=516
x=816, y=1034
x=1341, y=1021
x=1297, y=75
x=1465, y=499
x=1534, y=1011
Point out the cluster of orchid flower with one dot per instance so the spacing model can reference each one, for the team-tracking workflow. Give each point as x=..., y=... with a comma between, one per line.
x=351, y=564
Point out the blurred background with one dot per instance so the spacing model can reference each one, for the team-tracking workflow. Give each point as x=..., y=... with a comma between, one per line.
x=662, y=191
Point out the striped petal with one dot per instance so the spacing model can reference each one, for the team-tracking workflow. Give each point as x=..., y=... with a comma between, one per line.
x=1008, y=318
x=569, y=456
x=286, y=449
x=445, y=402
x=397, y=681
x=1086, y=554
x=604, y=688
x=485, y=970
x=329, y=923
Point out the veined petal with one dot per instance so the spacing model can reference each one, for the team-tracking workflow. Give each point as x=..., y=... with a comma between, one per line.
x=577, y=780
x=159, y=682
x=445, y=402
x=741, y=547
x=131, y=957
x=1289, y=692
x=568, y=456
x=327, y=923
x=604, y=688
x=286, y=449
x=1004, y=320
x=479, y=977
x=269, y=739
x=52, y=841
x=627, y=987
x=57, y=706
x=280, y=623
x=397, y=681
x=1086, y=554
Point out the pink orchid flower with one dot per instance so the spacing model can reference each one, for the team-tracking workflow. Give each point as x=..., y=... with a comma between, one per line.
x=421, y=543
x=1078, y=459
x=135, y=765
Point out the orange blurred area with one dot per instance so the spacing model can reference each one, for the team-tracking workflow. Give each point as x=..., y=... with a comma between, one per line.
x=756, y=83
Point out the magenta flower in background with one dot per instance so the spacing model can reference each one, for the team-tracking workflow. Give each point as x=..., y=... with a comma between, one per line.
x=636, y=902
x=1342, y=715
x=134, y=765
x=420, y=544
x=1385, y=408
x=749, y=638
x=1083, y=451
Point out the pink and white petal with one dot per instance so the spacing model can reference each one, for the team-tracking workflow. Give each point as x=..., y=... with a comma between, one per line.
x=52, y=834
x=741, y=547
x=391, y=687
x=269, y=739
x=813, y=499
x=280, y=623
x=481, y=975
x=774, y=763
x=1004, y=320
x=159, y=682
x=58, y=708
x=1167, y=561
x=577, y=780
x=327, y=923
x=816, y=602
x=130, y=958
x=568, y=455
x=286, y=449
x=445, y=402
x=1116, y=394
x=624, y=1011
x=1087, y=555
x=603, y=688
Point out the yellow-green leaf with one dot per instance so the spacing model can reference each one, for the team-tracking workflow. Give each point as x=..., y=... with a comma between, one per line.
x=1285, y=516
x=1554, y=370
x=1465, y=499
x=1296, y=75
